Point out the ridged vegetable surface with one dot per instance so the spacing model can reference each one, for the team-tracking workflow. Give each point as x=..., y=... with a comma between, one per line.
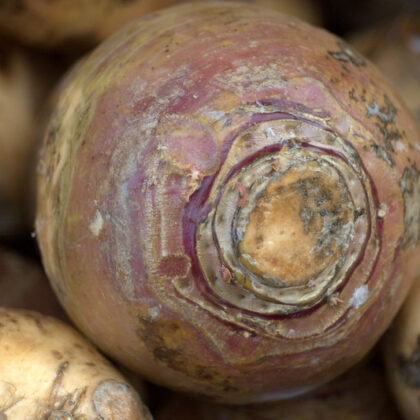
x=229, y=201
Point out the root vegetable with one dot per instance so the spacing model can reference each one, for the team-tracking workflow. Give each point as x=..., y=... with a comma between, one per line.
x=402, y=350
x=49, y=371
x=25, y=80
x=229, y=201
x=80, y=24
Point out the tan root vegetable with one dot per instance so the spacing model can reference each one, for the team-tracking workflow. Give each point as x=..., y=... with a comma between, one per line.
x=25, y=80
x=359, y=394
x=82, y=23
x=402, y=355
x=24, y=285
x=48, y=371
x=229, y=201
x=395, y=49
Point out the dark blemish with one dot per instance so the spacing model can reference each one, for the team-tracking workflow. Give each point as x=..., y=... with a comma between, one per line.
x=409, y=368
x=91, y=364
x=381, y=153
x=61, y=369
x=227, y=387
x=357, y=213
x=386, y=114
x=352, y=95
x=410, y=188
x=227, y=123
x=167, y=356
x=306, y=215
x=385, y=119
x=346, y=54
x=260, y=239
x=203, y=374
x=184, y=282
x=57, y=354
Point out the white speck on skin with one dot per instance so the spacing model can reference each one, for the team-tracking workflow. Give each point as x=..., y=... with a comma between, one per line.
x=154, y=312
x=97, y=223
x=215, y=115
x=382, y=210
x=260, y=106
x=270, y=134
x=400, y=146
x=360, y=296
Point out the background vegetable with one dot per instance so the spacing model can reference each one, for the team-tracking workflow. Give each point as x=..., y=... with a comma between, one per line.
x=49, y=371
x=25, y=79
x=79, y=24
x=402, y=350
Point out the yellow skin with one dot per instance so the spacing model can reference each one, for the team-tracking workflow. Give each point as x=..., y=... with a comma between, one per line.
x=48, y=371
x=83, y=23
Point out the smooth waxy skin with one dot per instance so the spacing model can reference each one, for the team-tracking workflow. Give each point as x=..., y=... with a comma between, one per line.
x=48, y=371
x=158, y=168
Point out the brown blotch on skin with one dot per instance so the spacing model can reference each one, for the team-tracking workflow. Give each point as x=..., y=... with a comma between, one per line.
x=57, y=354
x=164, y=340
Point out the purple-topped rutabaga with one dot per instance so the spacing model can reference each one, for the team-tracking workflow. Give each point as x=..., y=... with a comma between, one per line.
x=229, y=201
